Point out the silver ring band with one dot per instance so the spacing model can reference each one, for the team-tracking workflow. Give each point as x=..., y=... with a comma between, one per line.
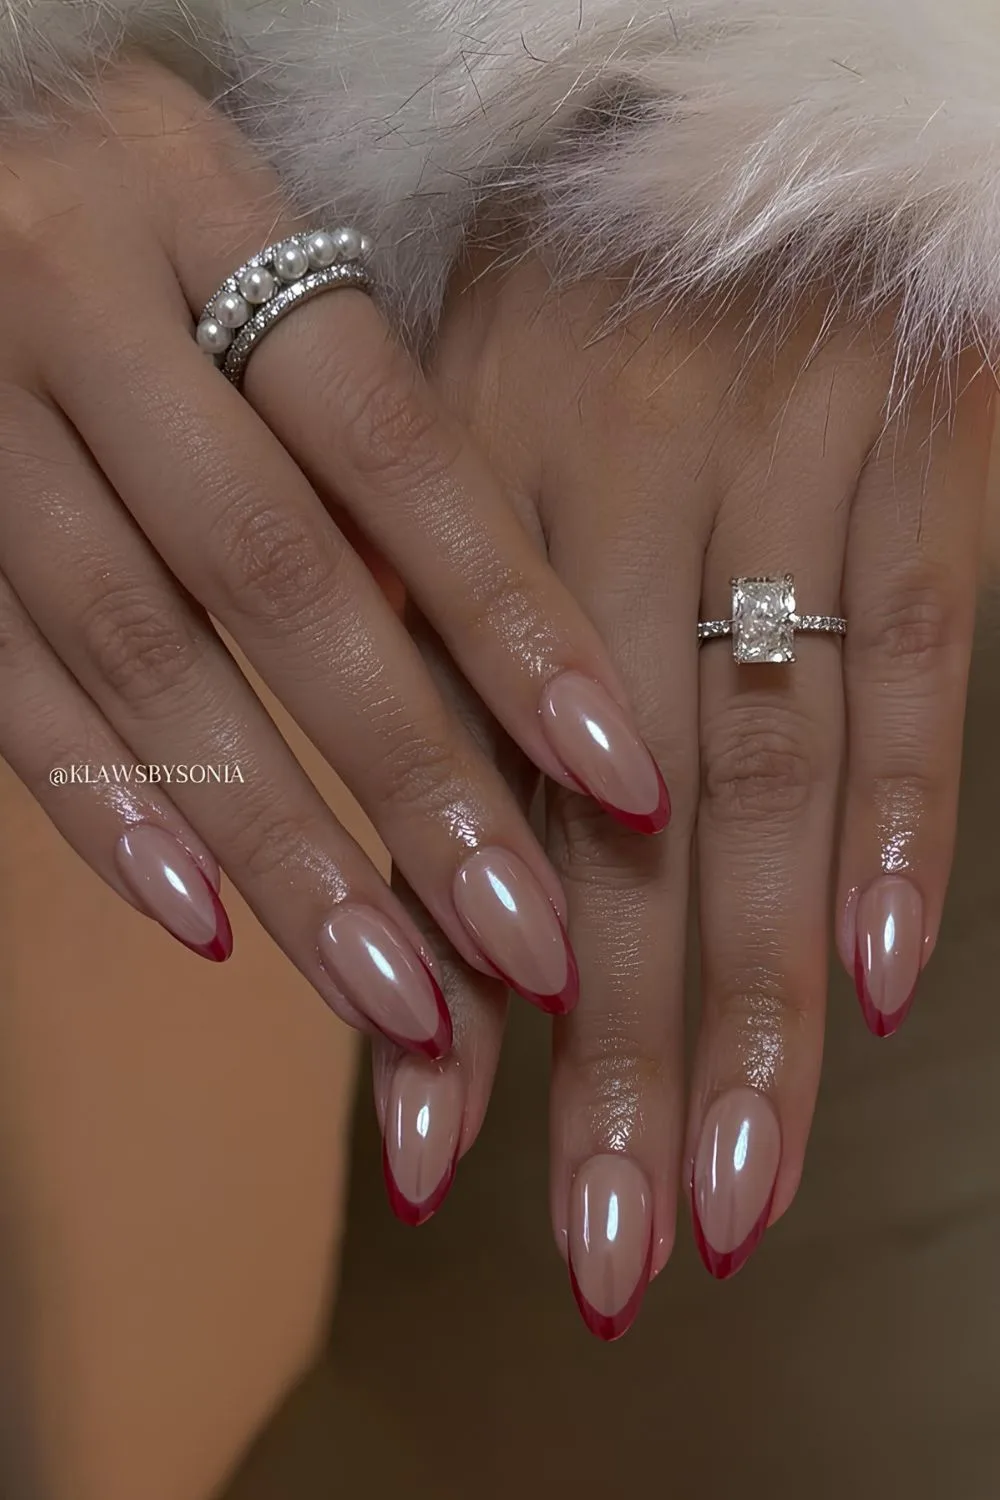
x=764, y=621
x=259, y=293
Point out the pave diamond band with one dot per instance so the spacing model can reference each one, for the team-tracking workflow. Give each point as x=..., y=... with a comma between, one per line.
x=267, y=286
x=764, y=621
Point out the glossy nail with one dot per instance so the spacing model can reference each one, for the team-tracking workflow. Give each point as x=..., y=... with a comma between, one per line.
x=610, y=1243
x=514, y=923
x=888, y=951
x=735, y=1169
x=593, y=739
x=168, y=883
x=423, y=1126
x=382, y=976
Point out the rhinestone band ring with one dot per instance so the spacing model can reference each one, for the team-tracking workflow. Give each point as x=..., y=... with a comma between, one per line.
x=267, y=286
x=764, y=621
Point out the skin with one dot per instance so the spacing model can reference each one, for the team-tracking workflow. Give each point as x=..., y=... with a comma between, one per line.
x=145, y=500
x=653, y=462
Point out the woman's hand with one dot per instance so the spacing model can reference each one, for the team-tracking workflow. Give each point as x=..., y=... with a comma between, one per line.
x=142, y=494
x=657, y=461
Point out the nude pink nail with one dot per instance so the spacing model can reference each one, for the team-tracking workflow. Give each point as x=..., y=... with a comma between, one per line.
x=610, y=1243
x=383, y=977
x=423, y=1127
x=595, y=743
x=888, y=951
x=512, y=920
x=168, y=883
x=735, y=1170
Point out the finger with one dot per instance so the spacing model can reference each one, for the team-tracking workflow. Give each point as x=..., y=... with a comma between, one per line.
x=232, y=516
x=372, y=436
x=770, y=748
x=430, y=1114
x=910, y=593
x=617, y=1086
x=78, y=769
x=156, y=670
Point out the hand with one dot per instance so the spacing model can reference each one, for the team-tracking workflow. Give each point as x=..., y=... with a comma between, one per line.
x=656, y=461
x=143, y=494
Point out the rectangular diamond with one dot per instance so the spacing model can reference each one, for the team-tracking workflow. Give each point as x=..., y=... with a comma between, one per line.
x=762, y=619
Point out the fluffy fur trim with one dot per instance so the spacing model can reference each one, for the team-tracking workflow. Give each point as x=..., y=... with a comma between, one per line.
x=846, y=142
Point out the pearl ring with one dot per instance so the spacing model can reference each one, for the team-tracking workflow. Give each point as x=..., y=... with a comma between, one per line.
x=267, y=286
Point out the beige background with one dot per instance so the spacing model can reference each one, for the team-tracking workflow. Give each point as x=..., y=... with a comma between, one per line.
x=170, y=1169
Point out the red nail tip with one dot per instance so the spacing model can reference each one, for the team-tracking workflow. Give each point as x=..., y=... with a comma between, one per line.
x=723, y=1265
x=435, y=1047
x=415, y=1214
x=220, y=947
x=645, y=823
x=879, y=1022
x=720, y=1265
x=611, y=1326
x=553, y=1005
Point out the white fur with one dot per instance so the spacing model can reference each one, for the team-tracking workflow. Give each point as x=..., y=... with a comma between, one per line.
x=857, y=140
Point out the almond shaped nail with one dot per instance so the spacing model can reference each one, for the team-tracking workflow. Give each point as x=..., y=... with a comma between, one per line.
x=170, y=885
x=888, y=951
x=513, y=922
x=610, y=1243
x=735, y=1170
x=380, y=973
x=592, y=738
x=423, y=1127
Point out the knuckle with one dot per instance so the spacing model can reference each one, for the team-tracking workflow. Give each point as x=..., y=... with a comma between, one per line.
x=917, y=625
x=420, y=771
x=757, y=1002
x=393, y=434
x=610, y=1067
x=276, y=567
x=598, y=856
x=756, y=767
x=267, y=841
x=136, y=644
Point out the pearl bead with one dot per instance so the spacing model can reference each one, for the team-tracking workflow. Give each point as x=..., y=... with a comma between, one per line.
x=348, y=243
x=321, y=250
x=365, y=248
x=291, y=261
x=257, y=284
x=232, y=310
x=212, y=337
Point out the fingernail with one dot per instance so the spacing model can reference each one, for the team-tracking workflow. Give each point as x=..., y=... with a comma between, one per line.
x=515, y=924
x=382, y=976
x=165, y=880
x=423, y=1124
x=592, y=737
x=888, y=950
x=735, y=1169
x=610, y=1243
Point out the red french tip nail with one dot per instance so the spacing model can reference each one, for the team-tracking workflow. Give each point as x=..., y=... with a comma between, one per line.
x=723, y=1265
x=553, y=1005
x=879, y=1023
x=611, y=1326
x=415, y=1214
x=220, y=946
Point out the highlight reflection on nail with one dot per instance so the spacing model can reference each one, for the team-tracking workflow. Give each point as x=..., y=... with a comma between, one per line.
x=888, y=952
x=423, y=1126
x=610, y=1243
x=735, y=1171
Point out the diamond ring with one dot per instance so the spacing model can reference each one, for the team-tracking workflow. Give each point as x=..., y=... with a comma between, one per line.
x=764, y=621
